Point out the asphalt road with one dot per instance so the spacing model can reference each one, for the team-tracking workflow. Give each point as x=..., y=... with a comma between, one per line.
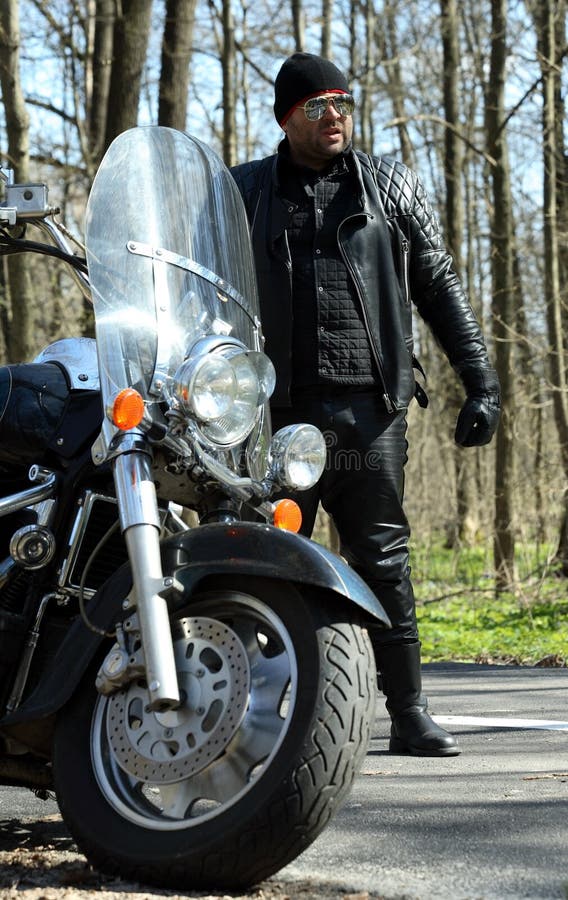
x=489, y=824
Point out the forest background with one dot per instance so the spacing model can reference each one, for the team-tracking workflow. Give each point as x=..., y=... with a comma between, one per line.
x=472, y=95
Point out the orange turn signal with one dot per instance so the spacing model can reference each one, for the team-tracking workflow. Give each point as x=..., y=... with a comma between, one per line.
x=288, y=515
x=128, y=409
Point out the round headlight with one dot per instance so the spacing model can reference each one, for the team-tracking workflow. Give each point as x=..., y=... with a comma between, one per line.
x=206, y=387
x=297, y=456
x=266, y=373
x=222, y=386
x=239, y=420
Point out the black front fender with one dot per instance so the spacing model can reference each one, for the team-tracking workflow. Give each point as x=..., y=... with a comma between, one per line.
x=247, y=548
x=243, y=548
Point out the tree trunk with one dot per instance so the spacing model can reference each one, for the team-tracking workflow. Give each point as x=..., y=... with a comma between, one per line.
x=366, y=116
x=453, y=145
x=353, y=47
x=547, y=13
x=562, y=162
x=326, y=18
x=464, y=463
x=19, y=343
x=298, y=23
x=130, y=42
x=562, y=226
x=98, y=81
x=176, y=57
x=395, y=80
x=229, y=82
x=503, y=305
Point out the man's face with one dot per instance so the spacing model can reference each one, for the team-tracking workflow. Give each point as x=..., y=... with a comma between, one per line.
x=314, y=144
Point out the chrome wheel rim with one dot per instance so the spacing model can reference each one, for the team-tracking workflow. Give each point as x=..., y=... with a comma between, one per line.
x=169, y=771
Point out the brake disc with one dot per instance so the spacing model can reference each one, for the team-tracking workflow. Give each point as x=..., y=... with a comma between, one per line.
x=214, y=680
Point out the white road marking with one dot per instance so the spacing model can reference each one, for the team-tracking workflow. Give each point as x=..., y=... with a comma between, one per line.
x=489, y=722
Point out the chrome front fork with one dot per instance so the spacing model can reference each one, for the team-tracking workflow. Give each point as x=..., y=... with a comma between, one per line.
x=140, y=523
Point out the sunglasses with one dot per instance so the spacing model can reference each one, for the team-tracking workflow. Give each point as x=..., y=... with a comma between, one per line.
x=316, y=107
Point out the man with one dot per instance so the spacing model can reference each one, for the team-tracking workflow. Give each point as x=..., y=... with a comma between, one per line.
x=344, y=244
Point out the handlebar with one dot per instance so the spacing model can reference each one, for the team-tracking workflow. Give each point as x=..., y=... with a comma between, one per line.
x=28, y=203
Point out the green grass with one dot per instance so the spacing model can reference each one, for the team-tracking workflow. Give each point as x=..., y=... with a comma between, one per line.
x=461, y=617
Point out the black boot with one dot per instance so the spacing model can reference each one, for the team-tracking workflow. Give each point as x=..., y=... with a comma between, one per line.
x=412, y=729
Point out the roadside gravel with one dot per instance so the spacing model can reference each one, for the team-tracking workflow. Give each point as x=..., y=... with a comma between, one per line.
x=39, y=861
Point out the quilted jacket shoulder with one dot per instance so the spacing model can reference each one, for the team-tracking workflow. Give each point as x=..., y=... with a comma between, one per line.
x=396, y=182
x=400, y=190
x=406, y=202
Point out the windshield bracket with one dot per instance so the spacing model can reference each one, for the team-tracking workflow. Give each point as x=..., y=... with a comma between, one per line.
x=190, y=265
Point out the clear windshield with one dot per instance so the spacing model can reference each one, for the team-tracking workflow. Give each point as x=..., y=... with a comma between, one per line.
x=169, y=257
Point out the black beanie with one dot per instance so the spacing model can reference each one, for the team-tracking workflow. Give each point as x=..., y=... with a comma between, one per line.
x=301, y=76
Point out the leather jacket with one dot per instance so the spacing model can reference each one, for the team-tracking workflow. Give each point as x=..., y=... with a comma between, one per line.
x=392, y=246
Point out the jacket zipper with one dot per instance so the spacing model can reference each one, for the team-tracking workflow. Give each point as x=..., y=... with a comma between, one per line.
x=405, y=247
x=379, y=363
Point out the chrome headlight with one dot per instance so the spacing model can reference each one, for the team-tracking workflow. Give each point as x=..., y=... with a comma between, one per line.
x=222, y=389
x=297, y=456
x=206, y=387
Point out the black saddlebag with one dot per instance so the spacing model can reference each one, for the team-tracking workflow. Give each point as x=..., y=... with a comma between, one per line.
x=33, y=399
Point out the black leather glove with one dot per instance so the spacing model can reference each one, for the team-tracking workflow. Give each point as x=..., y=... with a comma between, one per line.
x=479, y=415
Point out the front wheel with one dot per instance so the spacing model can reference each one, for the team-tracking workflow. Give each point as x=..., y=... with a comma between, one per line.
x=278, y=689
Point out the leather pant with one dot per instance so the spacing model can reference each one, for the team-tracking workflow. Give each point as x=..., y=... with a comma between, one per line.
x=362, y=489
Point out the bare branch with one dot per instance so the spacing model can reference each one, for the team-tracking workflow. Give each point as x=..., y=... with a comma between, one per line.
x=403, y=120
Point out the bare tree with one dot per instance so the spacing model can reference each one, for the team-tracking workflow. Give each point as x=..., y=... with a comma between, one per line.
x=130, y=43
x=502, y=248
x=298, y=25
x=326, y=19
x=454, y=153
x=176, y=57
x=550, y=20
x=366, y=116
x=18, y=342
x=391, y=57
x=453, y=145
x=97, y=77
x=229, y=86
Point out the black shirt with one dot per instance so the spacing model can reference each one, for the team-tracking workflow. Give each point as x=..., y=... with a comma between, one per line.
x=330, y=343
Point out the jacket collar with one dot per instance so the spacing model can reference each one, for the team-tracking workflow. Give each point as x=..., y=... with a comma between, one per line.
x=283, y=208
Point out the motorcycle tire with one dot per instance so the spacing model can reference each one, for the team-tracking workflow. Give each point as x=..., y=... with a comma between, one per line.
x=223, y=792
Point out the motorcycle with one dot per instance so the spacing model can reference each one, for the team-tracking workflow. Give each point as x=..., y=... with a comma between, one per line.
x=198, y=693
